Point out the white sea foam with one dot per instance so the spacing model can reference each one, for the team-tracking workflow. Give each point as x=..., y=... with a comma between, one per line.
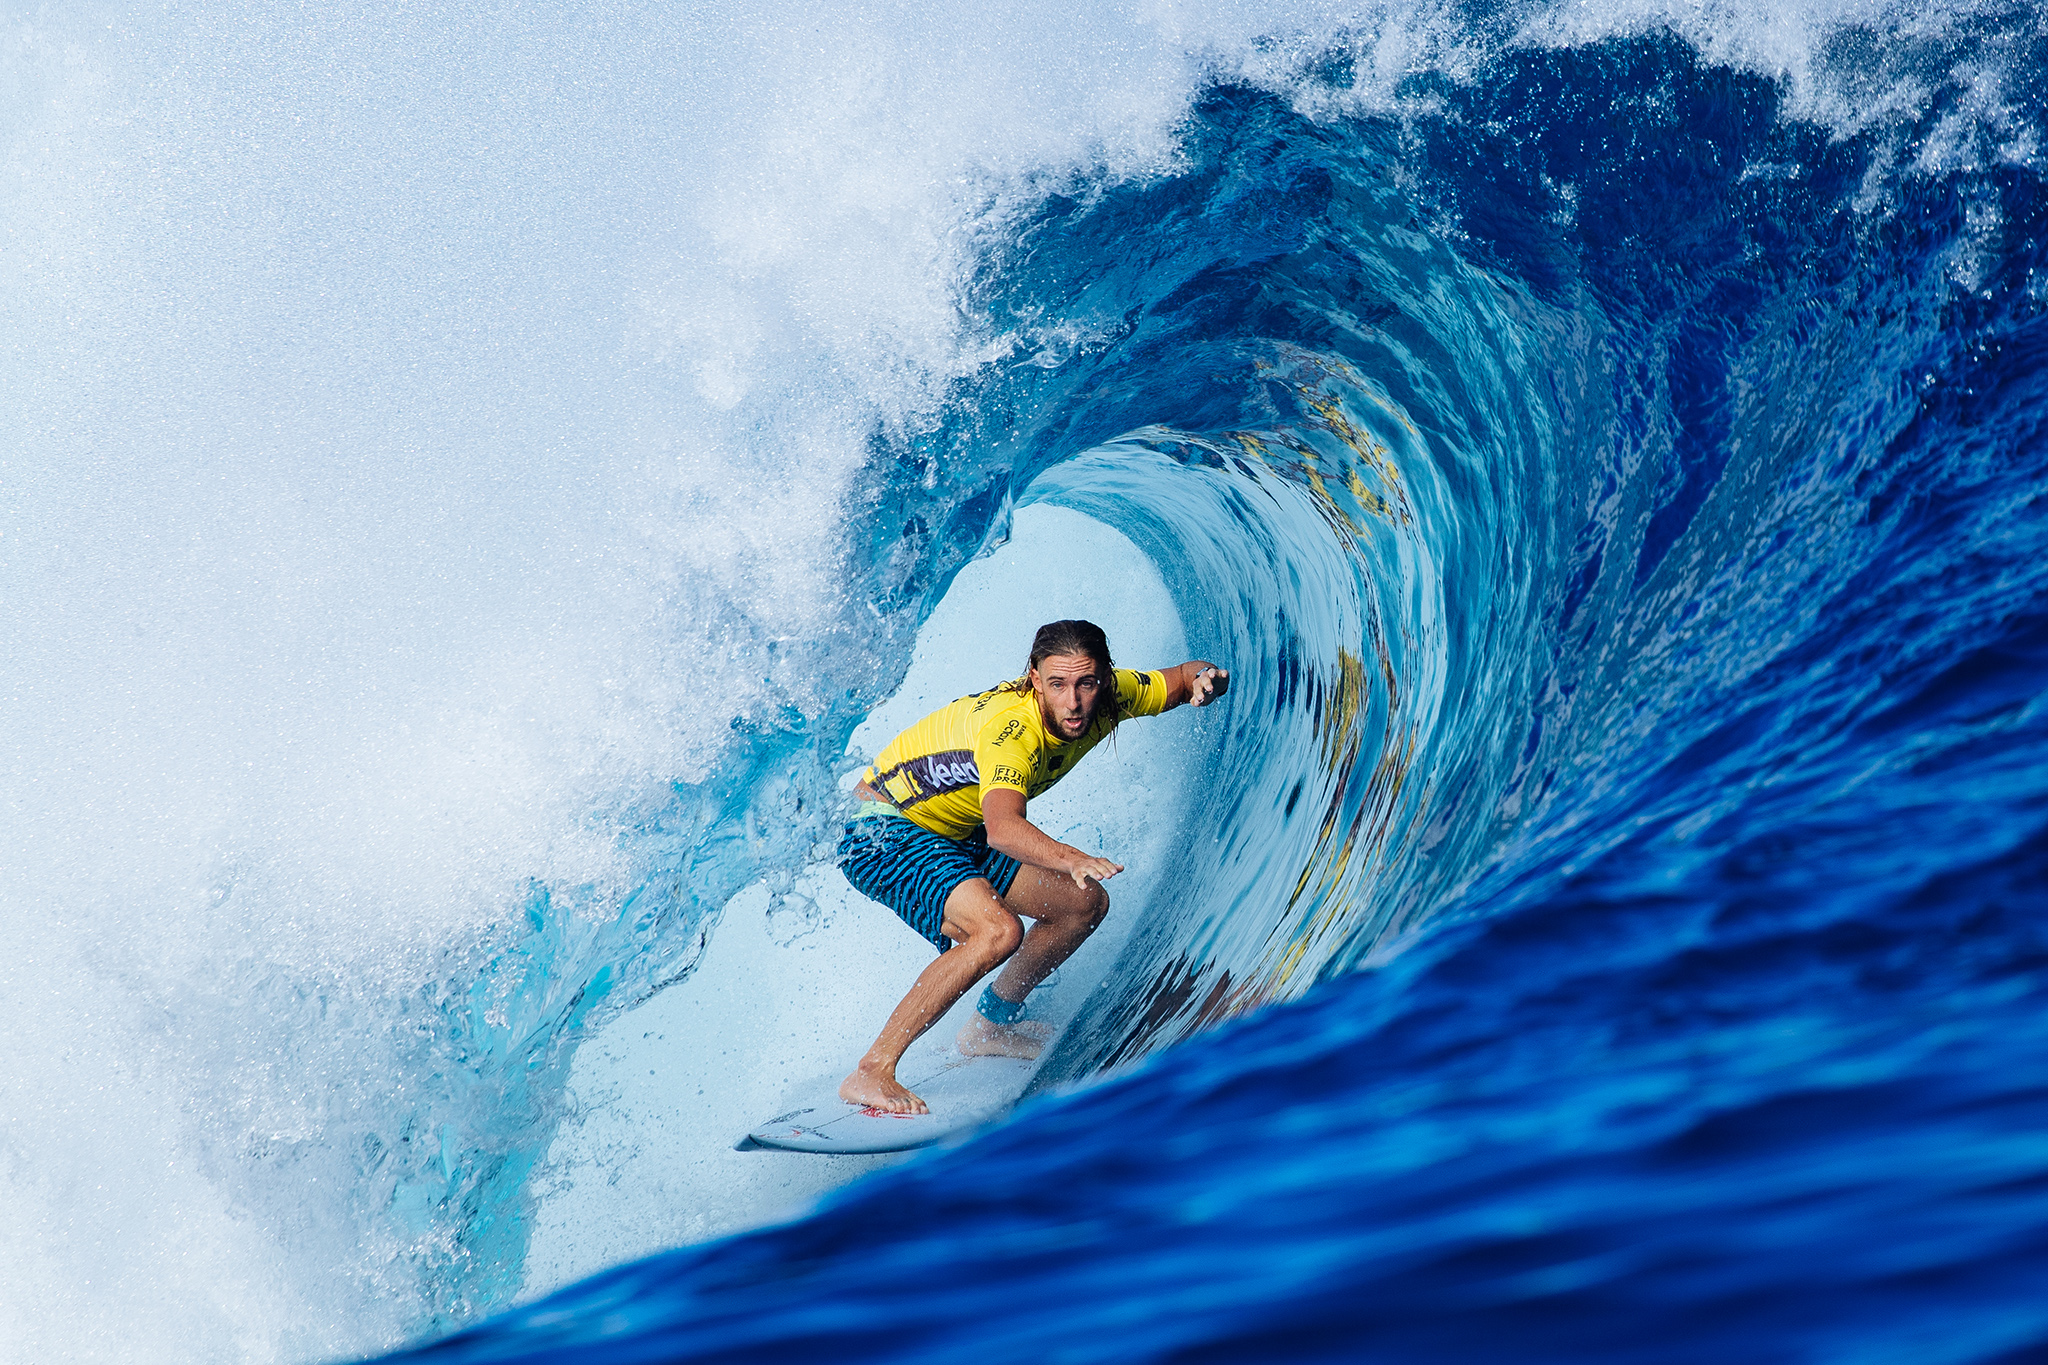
x=422, y=426
x=1851, y=66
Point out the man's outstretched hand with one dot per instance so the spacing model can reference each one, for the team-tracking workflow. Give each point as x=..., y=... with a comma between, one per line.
x=1209, y=684
x=1101, y=869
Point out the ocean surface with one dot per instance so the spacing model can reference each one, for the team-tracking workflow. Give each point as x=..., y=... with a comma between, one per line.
x=478, y=476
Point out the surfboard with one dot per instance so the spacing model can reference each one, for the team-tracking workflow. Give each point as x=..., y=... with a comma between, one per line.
x=963, y=1092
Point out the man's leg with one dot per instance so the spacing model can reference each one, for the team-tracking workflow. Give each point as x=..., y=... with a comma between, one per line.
x=1063, y=916
x=983, y=934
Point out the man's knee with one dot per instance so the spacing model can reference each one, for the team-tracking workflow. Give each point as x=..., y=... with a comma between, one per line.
x=1096, y=907
x=999, y=938
x=992, y=934
x=1080, y=909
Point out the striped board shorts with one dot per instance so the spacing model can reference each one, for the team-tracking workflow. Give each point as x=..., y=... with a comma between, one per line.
x=912, y=870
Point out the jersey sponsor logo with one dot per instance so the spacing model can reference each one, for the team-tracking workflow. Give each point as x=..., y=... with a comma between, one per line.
x=1010, y=727
x=944, y=772
x=1006, y=776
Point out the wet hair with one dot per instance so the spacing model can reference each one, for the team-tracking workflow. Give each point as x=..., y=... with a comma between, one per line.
x=1074, y=637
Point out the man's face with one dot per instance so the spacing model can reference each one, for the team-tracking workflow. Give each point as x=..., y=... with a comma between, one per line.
x=1069, y=689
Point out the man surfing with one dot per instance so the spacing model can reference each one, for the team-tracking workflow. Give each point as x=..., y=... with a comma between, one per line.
x=940, y=838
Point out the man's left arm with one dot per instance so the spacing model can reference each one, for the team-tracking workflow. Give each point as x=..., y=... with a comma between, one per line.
x=1196, y=682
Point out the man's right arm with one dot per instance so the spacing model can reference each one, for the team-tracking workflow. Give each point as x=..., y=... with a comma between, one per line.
x=1196, y=682
x=1002, y=811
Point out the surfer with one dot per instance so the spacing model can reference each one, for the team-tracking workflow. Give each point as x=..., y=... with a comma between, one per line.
x=940, y=838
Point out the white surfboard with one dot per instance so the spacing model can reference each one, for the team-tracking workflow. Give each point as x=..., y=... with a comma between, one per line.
x=962, y=1092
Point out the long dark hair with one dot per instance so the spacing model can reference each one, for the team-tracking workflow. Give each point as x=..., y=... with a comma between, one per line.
x=1074, y=637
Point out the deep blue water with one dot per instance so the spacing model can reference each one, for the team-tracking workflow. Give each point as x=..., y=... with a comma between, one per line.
x=1616, y=927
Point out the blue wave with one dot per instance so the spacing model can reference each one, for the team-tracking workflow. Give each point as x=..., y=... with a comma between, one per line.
x=1622, y=502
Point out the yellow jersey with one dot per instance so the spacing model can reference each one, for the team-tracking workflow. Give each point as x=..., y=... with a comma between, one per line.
x=937, y=770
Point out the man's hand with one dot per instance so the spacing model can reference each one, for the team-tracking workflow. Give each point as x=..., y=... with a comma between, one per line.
x=1085, y=867
x=1210, y=683
x=1002, y=810
x=1194, y=683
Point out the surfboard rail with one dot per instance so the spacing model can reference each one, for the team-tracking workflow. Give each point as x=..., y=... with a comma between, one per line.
x=962, y=1094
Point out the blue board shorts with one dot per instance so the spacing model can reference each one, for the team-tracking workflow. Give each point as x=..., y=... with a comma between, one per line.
x=912, y=870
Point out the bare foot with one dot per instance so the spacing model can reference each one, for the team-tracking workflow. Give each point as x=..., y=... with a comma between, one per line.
x=979, y=1038
x=878, y=1091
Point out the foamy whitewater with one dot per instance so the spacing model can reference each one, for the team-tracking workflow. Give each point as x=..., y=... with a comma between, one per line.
x=476, y=481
